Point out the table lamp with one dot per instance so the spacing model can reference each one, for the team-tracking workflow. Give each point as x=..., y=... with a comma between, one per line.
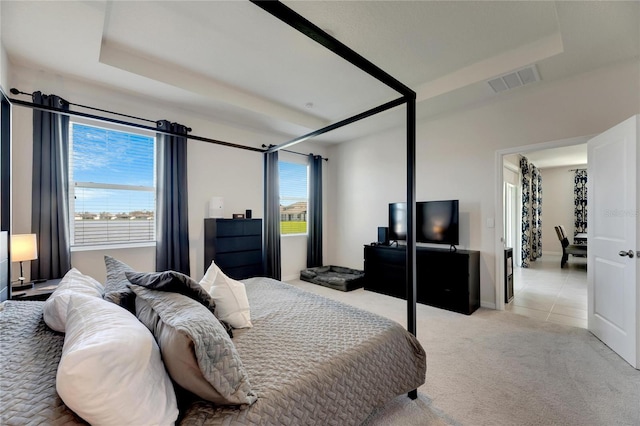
x=23, y=247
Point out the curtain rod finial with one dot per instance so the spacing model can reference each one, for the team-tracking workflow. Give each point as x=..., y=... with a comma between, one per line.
x=15, y=91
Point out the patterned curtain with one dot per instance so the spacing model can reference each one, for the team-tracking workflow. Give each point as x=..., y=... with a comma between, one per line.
x=536, y=210
x=580, y=201
x=531, y=213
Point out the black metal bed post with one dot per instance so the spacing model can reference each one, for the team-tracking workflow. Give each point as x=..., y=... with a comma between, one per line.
x=295, y=20
x=339, y=124
x=411, y=214
x=320, y=36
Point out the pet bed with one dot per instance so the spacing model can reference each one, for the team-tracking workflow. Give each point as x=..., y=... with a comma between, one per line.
x=336, y=277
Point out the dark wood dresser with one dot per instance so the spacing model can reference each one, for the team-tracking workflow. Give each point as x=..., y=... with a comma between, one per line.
x=235, y=245
x=445, y=279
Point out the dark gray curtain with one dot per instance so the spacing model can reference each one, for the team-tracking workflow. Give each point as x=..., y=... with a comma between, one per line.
x=50, y=188
x=271, y=255
x=172, y=216
x=314, y=220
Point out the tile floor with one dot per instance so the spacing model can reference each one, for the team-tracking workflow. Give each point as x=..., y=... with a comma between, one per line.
x=546, y=292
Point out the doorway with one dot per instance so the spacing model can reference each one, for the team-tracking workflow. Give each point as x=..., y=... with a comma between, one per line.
x=544, y=290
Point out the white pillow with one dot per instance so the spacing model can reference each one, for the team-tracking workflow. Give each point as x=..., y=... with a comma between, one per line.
x=110, y=372
x=74, y=282
x=232, y=305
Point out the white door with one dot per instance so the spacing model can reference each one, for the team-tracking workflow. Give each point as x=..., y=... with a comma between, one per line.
x=612, y=261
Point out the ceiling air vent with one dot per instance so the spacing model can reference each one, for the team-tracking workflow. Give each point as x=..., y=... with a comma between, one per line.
x=515, y=79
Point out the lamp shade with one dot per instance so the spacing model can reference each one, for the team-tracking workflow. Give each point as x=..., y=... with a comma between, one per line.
x=24, y=247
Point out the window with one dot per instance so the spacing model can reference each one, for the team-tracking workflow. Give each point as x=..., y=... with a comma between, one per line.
x=112, y=186
x=293, y=197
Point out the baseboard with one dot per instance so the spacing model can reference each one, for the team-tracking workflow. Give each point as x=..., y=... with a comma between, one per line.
x=488, y=305
x=290, y=278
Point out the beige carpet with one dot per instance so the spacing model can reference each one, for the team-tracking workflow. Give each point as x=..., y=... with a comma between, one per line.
x=499, y=368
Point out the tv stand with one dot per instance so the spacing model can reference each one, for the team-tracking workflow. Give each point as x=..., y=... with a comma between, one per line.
x=444, y=278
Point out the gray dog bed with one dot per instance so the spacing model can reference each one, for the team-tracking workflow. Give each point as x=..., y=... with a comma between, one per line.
x=336, y=277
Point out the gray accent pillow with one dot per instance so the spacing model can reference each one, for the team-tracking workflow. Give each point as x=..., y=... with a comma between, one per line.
x=196, y=350
x=175, y=282
x=116, y=288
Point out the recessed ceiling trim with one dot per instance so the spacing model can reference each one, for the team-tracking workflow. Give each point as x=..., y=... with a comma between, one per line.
x=496, y=65
x=115, y=56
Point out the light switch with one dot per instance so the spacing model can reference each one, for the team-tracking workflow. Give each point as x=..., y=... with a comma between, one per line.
x=491, y=223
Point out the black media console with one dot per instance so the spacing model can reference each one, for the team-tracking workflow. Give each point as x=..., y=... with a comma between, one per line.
x=445, y=279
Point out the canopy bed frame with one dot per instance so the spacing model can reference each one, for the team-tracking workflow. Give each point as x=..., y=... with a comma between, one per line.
x=407, y=97
x=5, y=194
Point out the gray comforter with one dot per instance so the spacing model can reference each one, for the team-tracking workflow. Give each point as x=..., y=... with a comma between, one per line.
x=311, y=361
x=29, y=356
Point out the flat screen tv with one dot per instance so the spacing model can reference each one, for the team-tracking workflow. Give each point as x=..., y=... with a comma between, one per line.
x=397, y=221
x=437, y=222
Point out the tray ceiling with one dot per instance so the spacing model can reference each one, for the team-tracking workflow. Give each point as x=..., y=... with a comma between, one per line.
x=231, y=60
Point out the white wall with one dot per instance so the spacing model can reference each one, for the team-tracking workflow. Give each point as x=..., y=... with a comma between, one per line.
x=214, y=170
x=456, y=158
x=557, y=205
x=4, y=69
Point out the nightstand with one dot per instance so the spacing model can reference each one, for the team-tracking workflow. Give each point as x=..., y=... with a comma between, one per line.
x=40, y=291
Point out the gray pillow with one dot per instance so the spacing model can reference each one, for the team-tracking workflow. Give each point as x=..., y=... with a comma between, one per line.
x=116, y=288
x=196, y=350
x=175, y=282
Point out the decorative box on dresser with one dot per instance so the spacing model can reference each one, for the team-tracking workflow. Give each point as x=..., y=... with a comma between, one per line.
x=235, y=245
x=444, y=278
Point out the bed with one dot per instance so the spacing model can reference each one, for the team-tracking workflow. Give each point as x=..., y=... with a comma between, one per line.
x=310, y=360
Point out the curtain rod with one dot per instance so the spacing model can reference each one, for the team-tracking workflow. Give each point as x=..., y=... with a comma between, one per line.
x=294, y=152
x=575, y=170
x=19, y=92
x=128, y=124
x=51, y=109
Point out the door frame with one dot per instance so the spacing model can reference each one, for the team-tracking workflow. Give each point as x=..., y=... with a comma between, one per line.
x=499, y=209
x=517, y=244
